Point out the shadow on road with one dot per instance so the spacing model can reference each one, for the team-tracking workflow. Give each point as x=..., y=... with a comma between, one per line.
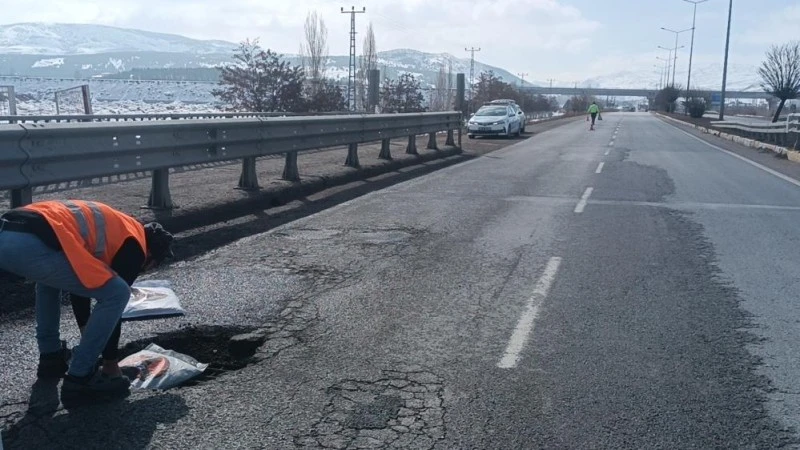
x=259, y=221
x=121, y=424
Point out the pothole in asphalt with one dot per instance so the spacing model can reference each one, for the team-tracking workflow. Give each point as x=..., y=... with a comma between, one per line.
x=402, y=409
x=307, y=234
x=207, y=344
x=382, y=237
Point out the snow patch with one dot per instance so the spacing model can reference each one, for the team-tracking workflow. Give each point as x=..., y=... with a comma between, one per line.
x=51, y=62
x=117, y=64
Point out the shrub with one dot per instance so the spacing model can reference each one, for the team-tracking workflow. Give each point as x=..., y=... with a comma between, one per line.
x=697, y=107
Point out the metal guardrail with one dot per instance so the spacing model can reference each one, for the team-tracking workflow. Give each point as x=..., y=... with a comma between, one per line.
x=45, y=153
x=65, y=118
x=791, y=124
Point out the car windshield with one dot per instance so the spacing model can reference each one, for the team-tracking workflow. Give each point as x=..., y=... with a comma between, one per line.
x=492, y=111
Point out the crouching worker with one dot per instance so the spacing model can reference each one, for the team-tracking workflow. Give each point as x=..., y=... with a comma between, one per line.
x=89, y=250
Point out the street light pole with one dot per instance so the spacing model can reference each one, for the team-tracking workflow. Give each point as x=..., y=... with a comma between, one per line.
x=691, y=47
x=668, y=63
x=665, y=70
x=660, y=76
x=677, y=33
x=725, y=66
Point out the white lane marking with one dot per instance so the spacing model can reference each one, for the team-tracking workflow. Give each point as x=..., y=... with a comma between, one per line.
x=611, y=144
x=696, y=205
x=524, y=327
x=752, y=163
x=600, y=167
x=607, y=152
x=584, y=198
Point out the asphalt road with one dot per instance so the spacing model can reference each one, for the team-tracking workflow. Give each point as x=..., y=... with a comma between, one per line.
x=630, y=287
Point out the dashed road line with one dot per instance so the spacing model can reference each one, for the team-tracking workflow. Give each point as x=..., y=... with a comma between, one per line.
x=611, y=144
x=524, y=327
x=607, y=152
x=584, y=198
x=600, y=167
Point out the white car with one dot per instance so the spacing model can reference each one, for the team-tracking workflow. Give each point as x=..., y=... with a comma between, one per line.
x=523, y=118
x=494, y=120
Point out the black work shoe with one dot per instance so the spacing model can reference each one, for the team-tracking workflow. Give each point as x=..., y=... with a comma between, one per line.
x=94, y=387
x=55, y=364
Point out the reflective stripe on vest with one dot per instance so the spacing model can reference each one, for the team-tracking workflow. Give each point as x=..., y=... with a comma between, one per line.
x=83, y=226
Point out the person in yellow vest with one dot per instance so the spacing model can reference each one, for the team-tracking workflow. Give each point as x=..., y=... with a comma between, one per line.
x=593, y=111
x=89, y=250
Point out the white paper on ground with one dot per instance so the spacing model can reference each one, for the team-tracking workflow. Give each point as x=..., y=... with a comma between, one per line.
x=158, y=368
x=152, y=299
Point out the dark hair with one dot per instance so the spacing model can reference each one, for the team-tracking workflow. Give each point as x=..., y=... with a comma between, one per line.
x=159, y=241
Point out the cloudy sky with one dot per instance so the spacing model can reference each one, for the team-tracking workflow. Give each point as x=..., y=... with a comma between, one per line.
x=564, y=40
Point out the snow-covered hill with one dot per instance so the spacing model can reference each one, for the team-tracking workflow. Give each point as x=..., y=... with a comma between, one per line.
x=79, y=39
x=84, y=51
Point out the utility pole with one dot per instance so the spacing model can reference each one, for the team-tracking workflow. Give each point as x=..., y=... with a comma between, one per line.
x=691, y=46
x=471, y=73
x=522, y=97
x=351, y=72
x=725, y=66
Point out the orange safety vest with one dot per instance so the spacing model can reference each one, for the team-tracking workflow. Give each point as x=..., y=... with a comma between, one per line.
x=90, y=233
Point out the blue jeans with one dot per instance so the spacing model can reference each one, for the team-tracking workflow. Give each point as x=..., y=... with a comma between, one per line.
x=25, y=255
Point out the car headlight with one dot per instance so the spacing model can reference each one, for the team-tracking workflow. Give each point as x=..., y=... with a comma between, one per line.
x=500, y=122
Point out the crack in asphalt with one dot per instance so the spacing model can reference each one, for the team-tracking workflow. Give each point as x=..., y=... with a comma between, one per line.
x=404, y=408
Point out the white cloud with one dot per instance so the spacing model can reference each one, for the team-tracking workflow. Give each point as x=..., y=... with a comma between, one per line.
x=778, y=27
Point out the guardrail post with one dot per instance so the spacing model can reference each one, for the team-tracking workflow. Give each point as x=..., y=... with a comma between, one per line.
x=432, y=141
x=290, y=171
x=386, y=150
x=160, y=197
x=412, y=145
x=248, y=180
x=21, y=197
x=352, y=156
x=451, y=140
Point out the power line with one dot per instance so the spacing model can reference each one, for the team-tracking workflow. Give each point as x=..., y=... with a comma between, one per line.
x=351, y=70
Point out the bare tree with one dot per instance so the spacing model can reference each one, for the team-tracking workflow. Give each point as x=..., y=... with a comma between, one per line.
x=451, y=95
x=780, y=73
x=314, y=50
x=438, y=100
x=366, y=62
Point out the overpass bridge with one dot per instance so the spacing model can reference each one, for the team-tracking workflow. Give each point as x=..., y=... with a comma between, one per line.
x=619, y=92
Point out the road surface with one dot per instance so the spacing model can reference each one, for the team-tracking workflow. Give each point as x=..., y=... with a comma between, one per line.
x=631, y=287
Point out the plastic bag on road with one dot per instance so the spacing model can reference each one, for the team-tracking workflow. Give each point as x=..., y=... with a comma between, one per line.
x=158, y=368
x=152, y=299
